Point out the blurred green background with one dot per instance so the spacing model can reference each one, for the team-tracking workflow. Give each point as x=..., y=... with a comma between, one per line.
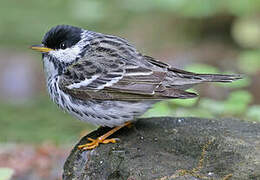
x=207, y=36
x=198, y=35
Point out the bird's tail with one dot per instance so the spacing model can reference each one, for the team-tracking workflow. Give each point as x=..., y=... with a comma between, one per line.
x=217, y=77
x=185, y=79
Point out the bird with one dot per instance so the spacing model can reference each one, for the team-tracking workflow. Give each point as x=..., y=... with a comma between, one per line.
x=104, y=80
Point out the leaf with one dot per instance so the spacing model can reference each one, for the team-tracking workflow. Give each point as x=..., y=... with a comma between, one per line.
x=6, y=173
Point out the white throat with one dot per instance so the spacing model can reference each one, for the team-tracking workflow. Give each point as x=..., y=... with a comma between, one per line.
x=49, y=68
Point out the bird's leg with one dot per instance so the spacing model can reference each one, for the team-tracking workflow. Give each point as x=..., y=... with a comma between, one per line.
x=102, y=139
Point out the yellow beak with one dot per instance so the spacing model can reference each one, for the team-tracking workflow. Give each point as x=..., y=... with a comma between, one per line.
x=41, y=48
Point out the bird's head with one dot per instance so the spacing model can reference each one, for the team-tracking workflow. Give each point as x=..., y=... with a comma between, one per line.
x=62, y=43
x=61, y=46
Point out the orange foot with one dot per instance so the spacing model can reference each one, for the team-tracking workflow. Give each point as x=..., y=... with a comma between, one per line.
x=102, y=139
x=95, y=143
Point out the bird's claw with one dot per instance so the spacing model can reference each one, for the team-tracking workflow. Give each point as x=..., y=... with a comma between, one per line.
x=95, y=142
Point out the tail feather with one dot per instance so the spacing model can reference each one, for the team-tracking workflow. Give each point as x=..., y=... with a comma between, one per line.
x=218, y=77
x=185, y=80
x=189, y=78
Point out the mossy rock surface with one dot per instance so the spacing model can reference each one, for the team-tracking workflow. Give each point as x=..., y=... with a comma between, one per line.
x=172, y=148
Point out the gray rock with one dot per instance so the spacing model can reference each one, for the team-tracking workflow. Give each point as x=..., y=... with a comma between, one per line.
x=172, y=148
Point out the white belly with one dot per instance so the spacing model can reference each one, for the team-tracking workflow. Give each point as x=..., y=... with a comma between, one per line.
x=103, y=113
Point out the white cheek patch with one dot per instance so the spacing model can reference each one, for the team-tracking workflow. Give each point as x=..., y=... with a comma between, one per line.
x=66, y=55
x=49, y=67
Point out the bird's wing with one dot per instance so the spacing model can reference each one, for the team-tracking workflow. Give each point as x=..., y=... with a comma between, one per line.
x=106, y=74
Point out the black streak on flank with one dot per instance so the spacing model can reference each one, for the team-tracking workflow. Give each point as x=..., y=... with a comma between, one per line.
x=69, y=35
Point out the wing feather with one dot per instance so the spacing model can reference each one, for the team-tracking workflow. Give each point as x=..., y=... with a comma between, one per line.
x=114, y=95
x=104, y=74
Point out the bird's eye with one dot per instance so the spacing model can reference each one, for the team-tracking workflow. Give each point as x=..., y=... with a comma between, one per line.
x=63, y=45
